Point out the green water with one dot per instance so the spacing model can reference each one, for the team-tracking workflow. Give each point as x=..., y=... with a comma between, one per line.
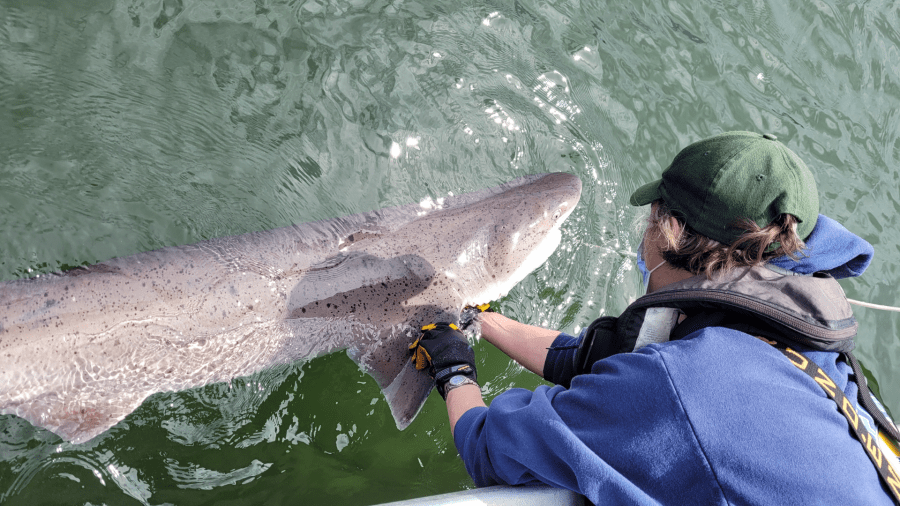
x=126, y=126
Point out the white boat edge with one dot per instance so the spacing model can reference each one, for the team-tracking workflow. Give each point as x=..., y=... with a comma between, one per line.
x=499, y=496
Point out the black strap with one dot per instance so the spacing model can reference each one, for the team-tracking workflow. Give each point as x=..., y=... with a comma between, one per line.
x=887, y=471
x=865, y=399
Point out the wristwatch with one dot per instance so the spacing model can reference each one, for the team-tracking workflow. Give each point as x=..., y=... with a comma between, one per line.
x=456, y=382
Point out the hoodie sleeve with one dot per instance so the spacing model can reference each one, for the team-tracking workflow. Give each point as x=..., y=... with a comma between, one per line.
x=593, y=436
x=559, y=366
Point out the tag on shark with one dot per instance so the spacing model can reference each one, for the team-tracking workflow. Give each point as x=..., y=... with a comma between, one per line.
x=82, y=349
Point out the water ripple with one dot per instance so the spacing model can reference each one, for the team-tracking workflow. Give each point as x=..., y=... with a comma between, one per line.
x=128, y=125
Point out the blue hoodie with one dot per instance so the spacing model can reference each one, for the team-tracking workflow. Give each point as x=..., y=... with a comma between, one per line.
x=719, y=417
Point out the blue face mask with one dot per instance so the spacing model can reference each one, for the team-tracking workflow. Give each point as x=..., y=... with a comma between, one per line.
x=643, y=266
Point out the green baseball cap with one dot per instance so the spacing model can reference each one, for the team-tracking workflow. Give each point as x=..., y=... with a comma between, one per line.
x=717, y=182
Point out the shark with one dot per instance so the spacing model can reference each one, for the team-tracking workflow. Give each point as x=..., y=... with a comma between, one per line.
x=81, y=349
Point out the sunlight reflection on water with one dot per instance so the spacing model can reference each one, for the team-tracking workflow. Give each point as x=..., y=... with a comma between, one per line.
x=135, y=125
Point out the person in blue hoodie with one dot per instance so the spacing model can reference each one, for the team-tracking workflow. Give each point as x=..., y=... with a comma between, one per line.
x=722, y=413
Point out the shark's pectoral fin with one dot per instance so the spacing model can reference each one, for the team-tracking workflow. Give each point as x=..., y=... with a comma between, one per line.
x=385, y=300
x=388, y=361
x=77, y=421
x=405, y=389
x=360, y=282
x=406, y=393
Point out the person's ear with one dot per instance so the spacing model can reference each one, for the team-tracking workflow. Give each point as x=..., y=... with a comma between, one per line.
x=675, y=226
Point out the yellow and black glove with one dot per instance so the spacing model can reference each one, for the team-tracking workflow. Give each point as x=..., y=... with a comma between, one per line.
x=470, y=313
x=444, y=352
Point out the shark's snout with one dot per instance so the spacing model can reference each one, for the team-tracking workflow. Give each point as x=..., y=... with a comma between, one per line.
x=526, y=231
x=562, y=193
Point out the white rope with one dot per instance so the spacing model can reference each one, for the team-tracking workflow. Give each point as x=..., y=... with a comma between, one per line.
x=856, y=302
x=874, y=306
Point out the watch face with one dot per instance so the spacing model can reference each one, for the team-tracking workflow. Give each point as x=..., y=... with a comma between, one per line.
x=457, y=380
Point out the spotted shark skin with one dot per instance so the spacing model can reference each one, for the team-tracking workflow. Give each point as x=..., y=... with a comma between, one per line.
x=82, y=349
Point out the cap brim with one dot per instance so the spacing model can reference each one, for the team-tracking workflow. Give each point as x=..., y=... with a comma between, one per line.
x=646, y=194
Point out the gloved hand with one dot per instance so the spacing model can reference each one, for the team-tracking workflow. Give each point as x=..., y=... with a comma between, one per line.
x=445, y=352
x=469, y=316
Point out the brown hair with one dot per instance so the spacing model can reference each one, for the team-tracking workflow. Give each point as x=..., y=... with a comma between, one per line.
x=699, y=254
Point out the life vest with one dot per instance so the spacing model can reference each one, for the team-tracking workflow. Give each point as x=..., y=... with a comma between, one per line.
x=787, y=309
x=810, y=311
